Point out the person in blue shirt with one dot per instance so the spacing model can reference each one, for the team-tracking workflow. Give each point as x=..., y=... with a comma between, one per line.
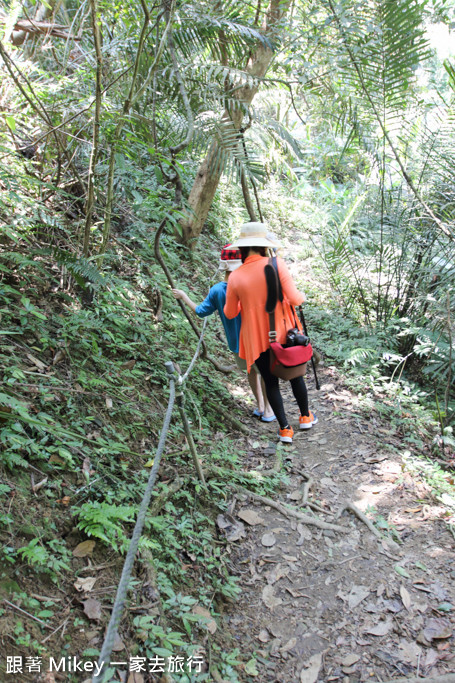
x=216, y=298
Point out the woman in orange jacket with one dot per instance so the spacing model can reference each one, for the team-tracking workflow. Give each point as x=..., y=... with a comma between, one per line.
x=247, y=293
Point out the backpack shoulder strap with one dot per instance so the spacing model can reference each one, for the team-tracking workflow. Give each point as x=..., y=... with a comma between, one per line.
x=274, y=263
x=273, y=292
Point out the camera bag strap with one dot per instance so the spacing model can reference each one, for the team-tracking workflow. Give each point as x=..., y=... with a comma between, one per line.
x=274, y=294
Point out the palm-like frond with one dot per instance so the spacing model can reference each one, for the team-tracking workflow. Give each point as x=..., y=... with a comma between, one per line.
x=224, y=37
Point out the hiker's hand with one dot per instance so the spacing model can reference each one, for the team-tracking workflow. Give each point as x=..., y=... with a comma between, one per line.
x=178, y=293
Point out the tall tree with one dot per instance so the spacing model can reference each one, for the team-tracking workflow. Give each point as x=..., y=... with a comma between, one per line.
x=209, y=173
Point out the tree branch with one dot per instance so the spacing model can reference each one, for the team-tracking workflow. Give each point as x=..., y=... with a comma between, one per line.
x=160, y=260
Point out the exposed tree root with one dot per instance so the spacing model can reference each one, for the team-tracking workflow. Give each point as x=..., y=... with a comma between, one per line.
x=317, y=508
x=289, y=512
x=226, y=417
x=306, y=487
x=350, y=507
x=363, y=518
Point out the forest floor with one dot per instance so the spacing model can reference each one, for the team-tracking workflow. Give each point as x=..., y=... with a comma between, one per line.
x=325, y=605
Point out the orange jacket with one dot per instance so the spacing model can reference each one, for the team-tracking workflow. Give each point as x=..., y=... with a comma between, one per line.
x=247, y=293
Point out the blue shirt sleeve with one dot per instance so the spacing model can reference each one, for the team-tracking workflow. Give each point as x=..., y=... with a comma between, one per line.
x=207, y=307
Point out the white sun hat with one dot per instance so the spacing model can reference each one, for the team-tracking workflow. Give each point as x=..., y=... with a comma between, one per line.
x=254, y=235
x=273, y=238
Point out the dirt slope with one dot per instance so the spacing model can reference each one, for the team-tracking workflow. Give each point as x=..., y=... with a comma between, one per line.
x=323, y=605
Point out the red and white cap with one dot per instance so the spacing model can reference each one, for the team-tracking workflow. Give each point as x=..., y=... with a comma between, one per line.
x=230, y=258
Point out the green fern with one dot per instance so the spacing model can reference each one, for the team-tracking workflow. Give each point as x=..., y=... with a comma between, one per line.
x=103, y=521
x=82, y=269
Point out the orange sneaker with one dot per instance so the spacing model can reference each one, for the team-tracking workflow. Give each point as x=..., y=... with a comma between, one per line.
x=285, y=435
x=306, y=422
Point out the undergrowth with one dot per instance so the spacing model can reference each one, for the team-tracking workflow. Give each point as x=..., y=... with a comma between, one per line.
x=83, y=395
x=84, y=392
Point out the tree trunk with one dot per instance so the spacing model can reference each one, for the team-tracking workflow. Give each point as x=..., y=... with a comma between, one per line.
x=207, y=178
x=247, y=197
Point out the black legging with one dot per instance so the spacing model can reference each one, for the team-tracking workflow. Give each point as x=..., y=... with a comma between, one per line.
x=273, y=390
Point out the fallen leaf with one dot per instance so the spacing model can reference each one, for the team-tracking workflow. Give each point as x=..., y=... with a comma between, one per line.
x=421, y=566
x=350, y=659
x=445, y=607
x=443, y=646
x=83, y=549
x=289, y=645
x=85, y=585
x=233, y=529
x=136, y=677
x=92, y=609
x=431, y=658
x=251, y=517
x=405, y=597
x=60, y=355
x=311, y=673
x=438, y=591
x=305, y=534
x=108, y=403
x=437, y=629
x=118, y=645
x=209, y=621
x=356, y=595
x=401, y=571
x=394, y=606
x=57, y=459
x=223, y=522
x=277, y=573
x=409, y=652
x=269, y=598
x=64, y=501
x=380, y=629
x=250, y=667
x=268, y=540
x=264, y=636
x=129, y=365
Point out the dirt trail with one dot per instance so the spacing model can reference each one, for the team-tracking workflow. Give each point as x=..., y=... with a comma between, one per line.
x=319, y=605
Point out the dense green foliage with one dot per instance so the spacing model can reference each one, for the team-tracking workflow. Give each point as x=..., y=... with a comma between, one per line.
x=103, y=136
